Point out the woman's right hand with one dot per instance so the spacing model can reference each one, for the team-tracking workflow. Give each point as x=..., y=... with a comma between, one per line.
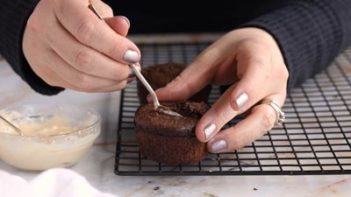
x=68, y=46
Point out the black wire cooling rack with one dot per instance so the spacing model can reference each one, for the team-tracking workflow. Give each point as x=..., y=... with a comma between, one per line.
x=315, y=138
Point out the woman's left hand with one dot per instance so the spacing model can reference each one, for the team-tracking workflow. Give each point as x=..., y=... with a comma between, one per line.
x=250, y=60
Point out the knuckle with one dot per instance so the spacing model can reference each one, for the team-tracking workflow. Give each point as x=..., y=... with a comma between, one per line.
x=82, y=82
x=48, y=79
x=284, y=73
x=33, y=24
x=85, y=31
x=281, y=75
x=83, y=59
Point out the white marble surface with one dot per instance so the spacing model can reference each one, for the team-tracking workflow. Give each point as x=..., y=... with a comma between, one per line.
x=97, y=166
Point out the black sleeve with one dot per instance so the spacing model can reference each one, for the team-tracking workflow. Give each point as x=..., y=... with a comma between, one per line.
x=310, y=33
x=13, y=17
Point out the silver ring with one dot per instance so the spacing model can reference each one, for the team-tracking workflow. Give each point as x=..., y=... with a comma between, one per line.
x=280, y=115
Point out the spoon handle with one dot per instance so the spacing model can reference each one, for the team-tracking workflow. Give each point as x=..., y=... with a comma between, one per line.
x=147, y=85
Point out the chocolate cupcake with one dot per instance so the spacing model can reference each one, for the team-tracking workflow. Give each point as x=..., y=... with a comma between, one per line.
x=170, y=139
x=159, y=75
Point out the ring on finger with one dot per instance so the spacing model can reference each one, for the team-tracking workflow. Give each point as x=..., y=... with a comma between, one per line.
x=280, y=115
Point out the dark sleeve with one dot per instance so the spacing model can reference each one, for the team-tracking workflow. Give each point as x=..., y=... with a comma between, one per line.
x=310, y=33
x=13, y=17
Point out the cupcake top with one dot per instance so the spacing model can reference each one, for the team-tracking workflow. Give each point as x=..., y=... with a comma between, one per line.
x=160, y=74
x=159, y=123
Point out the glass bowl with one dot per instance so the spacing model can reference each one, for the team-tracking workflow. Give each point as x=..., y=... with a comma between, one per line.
x=52, y=136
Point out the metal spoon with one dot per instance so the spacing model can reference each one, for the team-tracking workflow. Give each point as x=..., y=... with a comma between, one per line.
x=18, y=130
x=157, y=105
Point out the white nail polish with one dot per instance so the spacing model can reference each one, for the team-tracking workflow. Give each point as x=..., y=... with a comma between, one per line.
x=241, y=100
x=218, y=146
x=209, y=130
x=131, y=56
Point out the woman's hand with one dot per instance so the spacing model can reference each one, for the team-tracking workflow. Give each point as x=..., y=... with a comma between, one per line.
x=68, y=46
x=252, y=62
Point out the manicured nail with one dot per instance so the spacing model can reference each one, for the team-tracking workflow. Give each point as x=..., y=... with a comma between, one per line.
x=218, y=146
x=209, y=130
x=131, y=56
x=241, y=100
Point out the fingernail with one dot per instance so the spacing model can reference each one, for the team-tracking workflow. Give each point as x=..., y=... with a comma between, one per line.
x=241, y=100
x=219, y=146
x=126, y=19
x=209, y=130
x=131, y=56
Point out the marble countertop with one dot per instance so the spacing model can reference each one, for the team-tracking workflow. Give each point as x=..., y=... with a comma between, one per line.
x=97, y=166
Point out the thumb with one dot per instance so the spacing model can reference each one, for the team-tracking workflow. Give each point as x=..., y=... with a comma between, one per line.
x=120, y=24
x=195, y=77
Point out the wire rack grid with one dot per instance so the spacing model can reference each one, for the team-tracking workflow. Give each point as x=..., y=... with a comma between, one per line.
x=315, y=139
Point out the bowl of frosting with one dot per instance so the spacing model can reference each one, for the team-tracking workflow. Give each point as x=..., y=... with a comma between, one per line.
x=50, y=136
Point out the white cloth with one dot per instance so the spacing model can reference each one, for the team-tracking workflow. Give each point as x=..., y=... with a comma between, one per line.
x=60, y=182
